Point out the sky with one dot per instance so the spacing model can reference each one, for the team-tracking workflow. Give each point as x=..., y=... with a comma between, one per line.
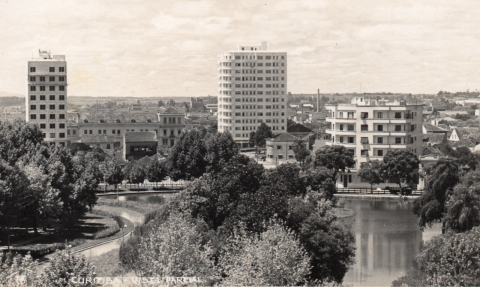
x=159, y=48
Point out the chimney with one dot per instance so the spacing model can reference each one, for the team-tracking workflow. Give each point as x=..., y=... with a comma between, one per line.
x=318, y=100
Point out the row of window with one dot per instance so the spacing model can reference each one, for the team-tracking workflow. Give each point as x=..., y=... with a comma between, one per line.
x=118, y=132
x=51, y=79
x=252, y=78
x=258, y=57
x=52, y=126
x=43, y=107
x=53, y=135
x=379, y=115
x=379, y=140
x=255, y=71
x=229, y=100
x=50, y=88
x=44, y=116
x=50, y=69
x=379, y=128
x=51, y=98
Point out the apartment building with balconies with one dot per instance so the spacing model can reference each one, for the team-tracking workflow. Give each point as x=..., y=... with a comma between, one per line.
x=46, y=100
x=252, y=89
x=370, y=128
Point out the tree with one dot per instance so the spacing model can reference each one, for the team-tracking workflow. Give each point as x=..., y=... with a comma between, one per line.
x=220, y=148
x=135, y=173
x=301, y=151
x=113, y=173
x=372, y=171
x=452, y=259
x=463, y=208
x=335, y=158
x=401, y=165
x=430, y=206
x=161, y=103
x=65, y=268
x=18, y=138
x=290, y=122
x=186, y=159
x=260, y=136
x=156, y=171
x=17, y=271
x=175, y=248
x=273, y=258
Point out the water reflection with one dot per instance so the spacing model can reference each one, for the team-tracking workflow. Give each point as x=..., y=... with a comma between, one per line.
x=387, y=240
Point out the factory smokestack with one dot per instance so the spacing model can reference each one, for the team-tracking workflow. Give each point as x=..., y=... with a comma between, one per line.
x=318, y=100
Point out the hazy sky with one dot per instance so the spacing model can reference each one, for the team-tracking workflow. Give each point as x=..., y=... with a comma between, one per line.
x=169, y=48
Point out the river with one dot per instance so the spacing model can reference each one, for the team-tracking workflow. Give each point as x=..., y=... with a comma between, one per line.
x=387, y=238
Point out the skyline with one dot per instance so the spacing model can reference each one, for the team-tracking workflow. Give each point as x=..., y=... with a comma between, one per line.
x=168, y=49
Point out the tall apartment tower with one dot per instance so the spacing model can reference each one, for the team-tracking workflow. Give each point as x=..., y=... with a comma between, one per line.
x=252, y=89
x=46, y=101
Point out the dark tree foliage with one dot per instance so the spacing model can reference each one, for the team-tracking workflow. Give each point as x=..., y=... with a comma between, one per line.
x=156, y=171
x=134, y=172
x=198, y=152
x=113, y=172
x=260, y=136
x=463, y=208
x=372, y=171
x=301, y=151
x=401, y=165
x=18, y=138
x=430, y=206
x=335, y=158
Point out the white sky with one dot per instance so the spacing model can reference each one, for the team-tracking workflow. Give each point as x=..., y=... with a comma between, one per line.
x=169, y=48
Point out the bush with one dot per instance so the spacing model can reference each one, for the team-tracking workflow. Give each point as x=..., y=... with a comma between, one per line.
x=111, y=230
x=40, y=250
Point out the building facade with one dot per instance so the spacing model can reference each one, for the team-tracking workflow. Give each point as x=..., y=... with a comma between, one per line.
x=370, y=128
x=252, y=89
x=46, y=100
x=280, y=149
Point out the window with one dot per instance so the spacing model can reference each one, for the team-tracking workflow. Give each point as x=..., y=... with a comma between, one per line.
x=341, y=139
x=380, y=152
x=52, y=116
x=380, y=140
x=43, y=116
x=350, y=115
x=62, y=126
x=85, y=132
x=398, y=115
x=61, y=88
x=42, y=107
x=351, y=127
x=341, y=127
x=42, y=79
x=364, y=140
x=61, y=79
x=113, y=132
x=90, y=131
x=42, y=88
x=61, y=116
x=32, y=79
x=380, y=115
x=61, y=69
x=33, y=117
x=52, y=107
x=33, y=88
x=118, y=132
x=52, y=126
x=99, y=132
x=364, y=152
x=61, y=98
x=398, y=128
x=52, y=79
x=412, y=128
x=42, y=98
x=108, y=146
x=364, y=127
x=380, y=128
x=33, y=98
x=52, y=88
x=364, y=115
x=33, y=107
x=32, y=69
x=351, y=140
x=279, y=147
x=43, y=126
x=52, y=98
x=398, y=140
x=52, y=69
x=61, y=135
x=61, y=107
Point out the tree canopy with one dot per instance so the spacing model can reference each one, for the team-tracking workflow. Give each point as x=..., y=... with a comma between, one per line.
x=372, y=171
x=260, y=136
x=400, y=165
x=336, y=158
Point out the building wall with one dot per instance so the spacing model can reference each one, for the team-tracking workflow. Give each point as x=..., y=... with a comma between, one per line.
x=46, y=100
x=138, y=150
x=252, y=88
x=370, y=143
x=279, y=152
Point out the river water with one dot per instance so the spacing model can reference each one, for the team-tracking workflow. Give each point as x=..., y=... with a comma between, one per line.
x=387, y=238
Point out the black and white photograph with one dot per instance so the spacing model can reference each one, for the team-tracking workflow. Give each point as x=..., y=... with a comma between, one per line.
x=239, y=143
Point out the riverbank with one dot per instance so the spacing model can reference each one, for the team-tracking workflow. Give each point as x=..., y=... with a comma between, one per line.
x=371, y=196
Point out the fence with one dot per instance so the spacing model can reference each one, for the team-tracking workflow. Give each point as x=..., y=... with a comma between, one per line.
x=362, y=190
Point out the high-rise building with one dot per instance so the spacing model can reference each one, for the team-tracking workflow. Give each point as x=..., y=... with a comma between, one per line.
x=46, y=100
x=252, y=89
x=370, y=128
